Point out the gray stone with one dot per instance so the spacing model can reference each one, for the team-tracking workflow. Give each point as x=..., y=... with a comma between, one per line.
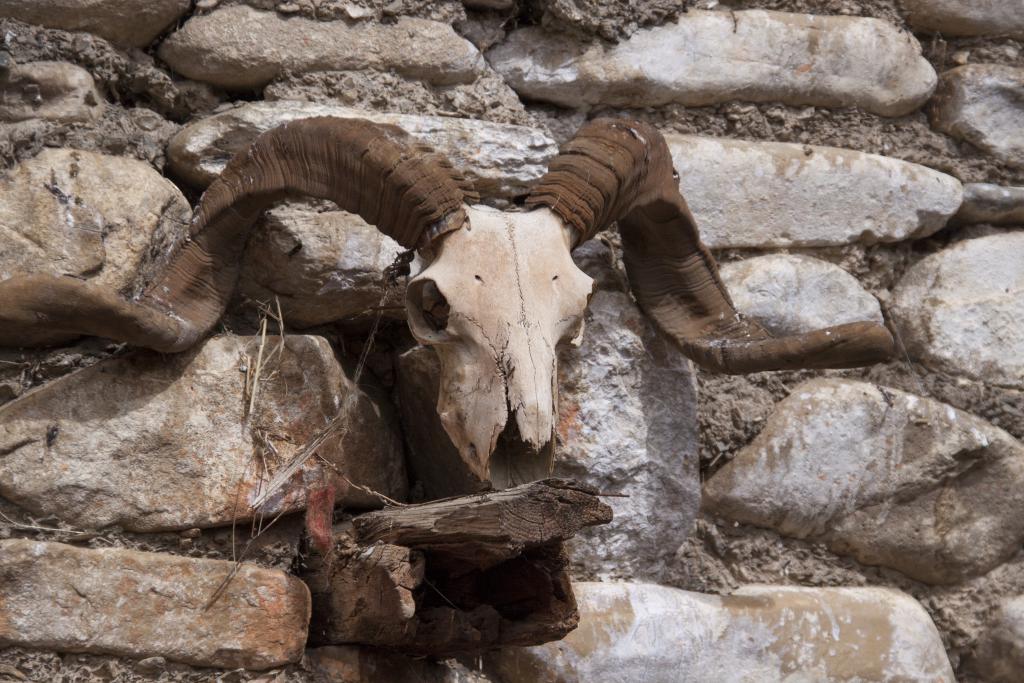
x=966, y=17
x=503, y=160
x=774, y=194
x=322, y=267
x=111, y=220
x=50, y=91
x=239, y=48
x=135, y=604
x=992, y=204
x=767, y=634
x=999, y=655
x=791, y=294
x=961, y=310
x=984, y=105
x=885, y=476
x=172, y=445
x=711, y=57
x=131, y=23
x=626, y=425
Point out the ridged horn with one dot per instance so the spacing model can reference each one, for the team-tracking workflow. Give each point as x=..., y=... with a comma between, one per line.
x=369, y=169
x=621, y=170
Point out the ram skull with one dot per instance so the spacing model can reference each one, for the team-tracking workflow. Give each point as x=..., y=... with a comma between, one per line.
x=500, y=291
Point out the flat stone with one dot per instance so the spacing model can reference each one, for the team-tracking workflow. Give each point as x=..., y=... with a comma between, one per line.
x=626, y=425
x=992, y=204
x=999, y=655
x=503, y=160
x=136, y=604
x=111, y=220
x=173, y=445
x=240, y=48
x=961, y=310
x=791, y=294
x=768, y=634
x=50, y=91
x=966, y=17
x=890, y=478
x=984, y=105
x=130, y=23
x=776, y=194
x=322, y=267
x=712, y=57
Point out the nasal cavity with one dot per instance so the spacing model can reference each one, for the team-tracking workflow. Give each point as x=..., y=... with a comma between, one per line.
x=434, y=306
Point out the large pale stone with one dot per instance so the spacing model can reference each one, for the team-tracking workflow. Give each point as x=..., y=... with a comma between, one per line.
x=774, y=194
x=627, y=409
x=993, y=204
x=759, y=634
x=961, y=310
x=321, y=267
x=888, y=477
x=240, y=48
x=712, y=57
x=503, y=160
x=791, y=294
x=51, y=91
x=133, y=23
x=151, y=442
x=107, y=219
x=967, y=17
x=999, y=656
x=984, y=105
x=135, y=604
x=626, y=425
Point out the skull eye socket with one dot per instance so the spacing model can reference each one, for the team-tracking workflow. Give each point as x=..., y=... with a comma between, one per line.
x=428, y=311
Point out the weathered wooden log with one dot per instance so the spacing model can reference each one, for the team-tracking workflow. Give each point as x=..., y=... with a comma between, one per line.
x=457, y=575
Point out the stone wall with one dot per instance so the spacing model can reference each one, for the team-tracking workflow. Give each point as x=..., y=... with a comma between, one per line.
x=846, y=160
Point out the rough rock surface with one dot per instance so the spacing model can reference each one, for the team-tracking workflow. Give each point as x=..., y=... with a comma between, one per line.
x=148, y=460
x=993, y=204
x=999, y=657
x=219, y=48
x=775, y=194
x=626, y=425
x=966, y=17
x=132, y=23
x=961, y=310
x=136, y=604
x=885, y=476
x=791, y=294
x=768, y=634
x=502, y=160
x=488, y=98
x=321, y=267
x=984, y=105
x=712, y=57
x=53, y=91
x=108, y=219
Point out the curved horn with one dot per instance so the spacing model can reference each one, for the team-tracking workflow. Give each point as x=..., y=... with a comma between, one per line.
x=621, y=170
x=409, y=193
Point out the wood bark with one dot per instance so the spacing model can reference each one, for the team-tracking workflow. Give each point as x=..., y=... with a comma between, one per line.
x=459, y=575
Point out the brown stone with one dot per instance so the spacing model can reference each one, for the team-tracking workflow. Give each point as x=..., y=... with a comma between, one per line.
x=110, y=220
x=51, y=91
x=151, y=442
x=132, y=23
x=136, y=604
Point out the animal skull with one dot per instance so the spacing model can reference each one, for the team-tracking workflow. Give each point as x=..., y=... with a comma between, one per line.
x=500, y=295
x=501, y=291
